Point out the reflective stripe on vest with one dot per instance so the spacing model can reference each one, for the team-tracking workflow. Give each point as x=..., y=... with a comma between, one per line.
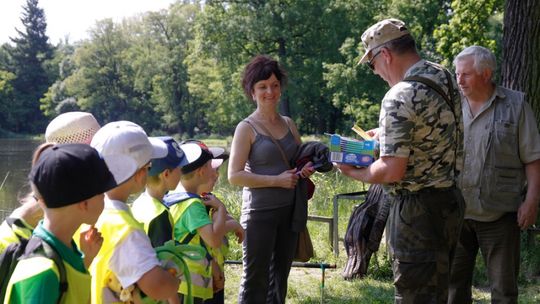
x=200, y=271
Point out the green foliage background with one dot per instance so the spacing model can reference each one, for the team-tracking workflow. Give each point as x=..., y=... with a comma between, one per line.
x=177, y=71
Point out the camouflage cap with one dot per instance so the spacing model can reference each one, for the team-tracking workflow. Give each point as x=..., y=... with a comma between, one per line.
x=380, y=33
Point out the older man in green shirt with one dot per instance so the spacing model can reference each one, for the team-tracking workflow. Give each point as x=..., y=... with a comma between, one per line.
x=502, y=153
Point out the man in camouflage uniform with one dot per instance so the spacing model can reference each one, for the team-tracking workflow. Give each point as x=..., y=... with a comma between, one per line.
x=502, y=154
x=420, y=136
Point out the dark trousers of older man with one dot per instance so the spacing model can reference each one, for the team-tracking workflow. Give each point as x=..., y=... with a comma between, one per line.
x=498, y=242
x=423, y=229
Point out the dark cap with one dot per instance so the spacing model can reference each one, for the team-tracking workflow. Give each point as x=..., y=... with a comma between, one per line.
x=70, y=173
x=175, y=157
x=197, y=154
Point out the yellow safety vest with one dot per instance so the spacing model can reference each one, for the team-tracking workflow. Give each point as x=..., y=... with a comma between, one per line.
x=114, y=226
x=201, y=270
x=12, y=233
x=78, y=283
x=146, y=209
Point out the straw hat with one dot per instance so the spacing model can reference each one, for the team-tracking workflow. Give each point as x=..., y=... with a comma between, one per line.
x=72, y=127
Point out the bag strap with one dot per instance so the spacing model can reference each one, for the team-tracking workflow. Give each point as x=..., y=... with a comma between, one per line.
x=36, y=246
x=258, y=125
x=448, y=99
x=432, y=85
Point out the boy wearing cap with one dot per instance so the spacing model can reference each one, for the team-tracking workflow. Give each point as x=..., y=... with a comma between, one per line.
x=68, y=181
x=163, y=176
x=192, y=224
x=127, y=254
x=66, y=128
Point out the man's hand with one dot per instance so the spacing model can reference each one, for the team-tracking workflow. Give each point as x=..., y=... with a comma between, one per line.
x=526, y=215
x=348, y=170
x=374, y=133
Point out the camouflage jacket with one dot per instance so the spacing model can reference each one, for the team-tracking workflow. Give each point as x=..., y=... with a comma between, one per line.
x=416, y=123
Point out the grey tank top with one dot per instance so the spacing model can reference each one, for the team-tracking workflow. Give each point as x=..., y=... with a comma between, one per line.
x=265, y=158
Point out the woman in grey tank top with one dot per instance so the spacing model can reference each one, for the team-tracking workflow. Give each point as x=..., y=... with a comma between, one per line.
x=257, y=164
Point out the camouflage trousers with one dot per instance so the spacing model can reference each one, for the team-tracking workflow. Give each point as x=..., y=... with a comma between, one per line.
x=423, y=229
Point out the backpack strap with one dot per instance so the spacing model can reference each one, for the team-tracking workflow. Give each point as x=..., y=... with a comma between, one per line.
x=171, y=199
x=32, y=250
x=432, y=85
x=448, y=99
x=27, y=248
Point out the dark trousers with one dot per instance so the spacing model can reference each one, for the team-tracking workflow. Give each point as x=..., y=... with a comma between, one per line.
x=268, y=250
x=423, y=229
x=499, y=244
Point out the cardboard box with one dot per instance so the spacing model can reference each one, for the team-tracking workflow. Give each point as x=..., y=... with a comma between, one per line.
x=352, y=151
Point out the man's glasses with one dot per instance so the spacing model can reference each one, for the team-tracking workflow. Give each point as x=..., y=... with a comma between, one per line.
x=370, y=62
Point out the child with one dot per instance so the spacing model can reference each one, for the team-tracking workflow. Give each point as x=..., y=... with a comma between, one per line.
x=192, y=224
x=127, y=255
x=218, y=254
x=163, y=176
x=68, y=181
x=66, y=128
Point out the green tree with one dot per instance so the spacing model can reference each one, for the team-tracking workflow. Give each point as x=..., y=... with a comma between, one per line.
x=103, y=80
x=8, y=116
x=304, y=36
x=472, y=22
x=168, y=34
x=57, y=99
x=29, y=56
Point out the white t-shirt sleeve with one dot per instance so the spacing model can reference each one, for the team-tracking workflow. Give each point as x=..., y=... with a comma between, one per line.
x=132, y=258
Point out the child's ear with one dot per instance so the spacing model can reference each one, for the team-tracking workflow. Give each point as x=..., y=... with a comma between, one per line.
x=200, y=171
x=83, y=206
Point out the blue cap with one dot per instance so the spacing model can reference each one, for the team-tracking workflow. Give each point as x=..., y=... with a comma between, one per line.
x=175, y=157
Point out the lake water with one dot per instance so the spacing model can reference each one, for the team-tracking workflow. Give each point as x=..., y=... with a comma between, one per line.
x=15, y=161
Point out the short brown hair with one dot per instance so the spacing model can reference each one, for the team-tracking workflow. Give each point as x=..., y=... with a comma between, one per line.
x=401, y=45
x=261, y=67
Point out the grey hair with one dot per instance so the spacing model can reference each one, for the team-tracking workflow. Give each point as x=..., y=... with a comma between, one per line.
x=483, y=58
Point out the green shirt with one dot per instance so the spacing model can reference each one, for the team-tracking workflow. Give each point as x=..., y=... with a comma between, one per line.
x=477, y=135
x=193, y=218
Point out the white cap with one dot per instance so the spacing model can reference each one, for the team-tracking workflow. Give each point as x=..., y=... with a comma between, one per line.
x=71, y=128
x=125, y=147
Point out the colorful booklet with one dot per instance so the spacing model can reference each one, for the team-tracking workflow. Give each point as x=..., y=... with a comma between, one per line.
x=352, y=151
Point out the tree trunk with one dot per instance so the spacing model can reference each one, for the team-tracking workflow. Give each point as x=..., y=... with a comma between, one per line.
x=284, y=107
x=520, y=68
